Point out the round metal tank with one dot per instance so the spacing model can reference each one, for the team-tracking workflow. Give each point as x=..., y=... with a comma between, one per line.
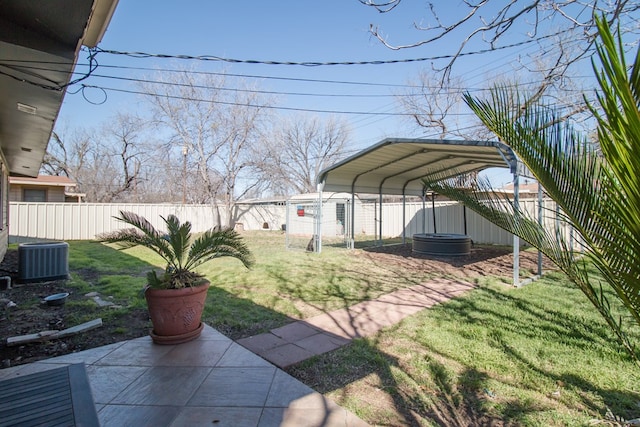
x=442, y=244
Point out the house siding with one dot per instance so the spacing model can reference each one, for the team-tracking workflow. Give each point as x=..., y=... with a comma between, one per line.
x=54, y=194
x=4, y=206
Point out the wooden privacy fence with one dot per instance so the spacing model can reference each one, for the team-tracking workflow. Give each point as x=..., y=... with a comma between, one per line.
x=83, y=221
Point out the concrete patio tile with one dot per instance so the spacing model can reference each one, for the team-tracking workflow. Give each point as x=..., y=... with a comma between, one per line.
x=261, y=343
x=109, y=381
x=208, y=333
x=322, y=343
x=238, y=356
x=286, y=390
x=163, y=385
x=234, y=387
x=86, y=356
x=139, y=352
x=287, y=355
x=283, y=417
x=294, y=331
x=133, y=416
x=218, y=417
x=195, y=353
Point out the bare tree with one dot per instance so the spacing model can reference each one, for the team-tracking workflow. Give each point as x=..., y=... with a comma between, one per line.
x=56, y=158
x=214, y=130
x=439, y=108
x=438, y=105
x=562, y=30
x=126, y=152
x=511, y=23
x=302, y=147
x=106, y=165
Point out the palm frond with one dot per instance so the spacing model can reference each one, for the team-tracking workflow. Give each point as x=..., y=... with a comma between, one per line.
x=143, y=233
x=500, y=210
x=179, y=236
x=216, y=244
x=176, y=247
x=599, y=195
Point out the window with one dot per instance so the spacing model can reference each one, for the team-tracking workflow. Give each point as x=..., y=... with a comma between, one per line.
x=34, y=195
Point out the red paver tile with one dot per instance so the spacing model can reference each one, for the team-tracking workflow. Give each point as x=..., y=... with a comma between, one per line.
x=295, y=331
x=261, y=343
x=287, y=355
x=322, y=343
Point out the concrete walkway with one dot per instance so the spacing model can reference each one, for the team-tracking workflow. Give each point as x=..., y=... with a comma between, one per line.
x=303, y=339
x=210, y=381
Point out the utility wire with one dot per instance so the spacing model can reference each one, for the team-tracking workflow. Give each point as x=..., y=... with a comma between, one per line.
x=54, y=86
x=320, y=63
x=267, y=92
x=449, y=91
x=271, y=107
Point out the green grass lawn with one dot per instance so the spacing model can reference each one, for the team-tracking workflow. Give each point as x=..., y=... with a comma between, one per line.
x=538, y=355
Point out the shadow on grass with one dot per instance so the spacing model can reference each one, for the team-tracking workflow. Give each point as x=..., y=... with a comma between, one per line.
x=429, y=384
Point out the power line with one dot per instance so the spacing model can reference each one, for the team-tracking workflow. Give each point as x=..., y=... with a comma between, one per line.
x=267, y=92
x=450, y=90
x=271, y=107
x=320, y=63
x=213, y=73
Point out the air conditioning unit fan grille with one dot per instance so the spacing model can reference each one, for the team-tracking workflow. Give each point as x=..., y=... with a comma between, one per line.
x=39, y=262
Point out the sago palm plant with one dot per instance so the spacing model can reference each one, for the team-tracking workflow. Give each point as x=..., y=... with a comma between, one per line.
x=177, y=247
x=597, y=186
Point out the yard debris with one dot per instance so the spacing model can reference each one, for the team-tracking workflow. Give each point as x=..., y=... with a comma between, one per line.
x=7, y=303
x=54, y=334
x=489, y=393
x=95, y=296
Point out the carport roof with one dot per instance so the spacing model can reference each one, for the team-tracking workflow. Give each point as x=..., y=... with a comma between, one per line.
x=396, y=166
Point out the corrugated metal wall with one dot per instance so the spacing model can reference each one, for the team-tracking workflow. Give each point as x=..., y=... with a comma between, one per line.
x=83, y=221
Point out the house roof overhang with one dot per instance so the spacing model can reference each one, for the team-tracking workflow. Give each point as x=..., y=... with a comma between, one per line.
x=43, y=181
x=40, y=42
x=396, y=166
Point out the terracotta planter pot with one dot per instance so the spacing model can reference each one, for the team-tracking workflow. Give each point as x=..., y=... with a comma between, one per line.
x=176, y=313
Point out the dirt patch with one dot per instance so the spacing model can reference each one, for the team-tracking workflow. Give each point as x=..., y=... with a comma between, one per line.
x=483, y=261
x=32, y=315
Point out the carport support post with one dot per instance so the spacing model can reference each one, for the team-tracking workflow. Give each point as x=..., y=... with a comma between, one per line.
x=380, y=219
x=353, y=219
x=433, y=211
x=404, y=218
x=318, y=218
x=540, y=223
x=464, y=218
x=516, y=239
x=424, y=212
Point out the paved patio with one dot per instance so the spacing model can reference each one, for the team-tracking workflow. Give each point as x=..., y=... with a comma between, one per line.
x=215, y=381
x=303, y=339
x=209, y=381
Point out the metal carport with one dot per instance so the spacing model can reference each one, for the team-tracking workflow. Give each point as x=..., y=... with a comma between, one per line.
x=396, y=166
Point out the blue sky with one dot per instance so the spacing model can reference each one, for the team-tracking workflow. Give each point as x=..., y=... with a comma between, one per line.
x=293, y=30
